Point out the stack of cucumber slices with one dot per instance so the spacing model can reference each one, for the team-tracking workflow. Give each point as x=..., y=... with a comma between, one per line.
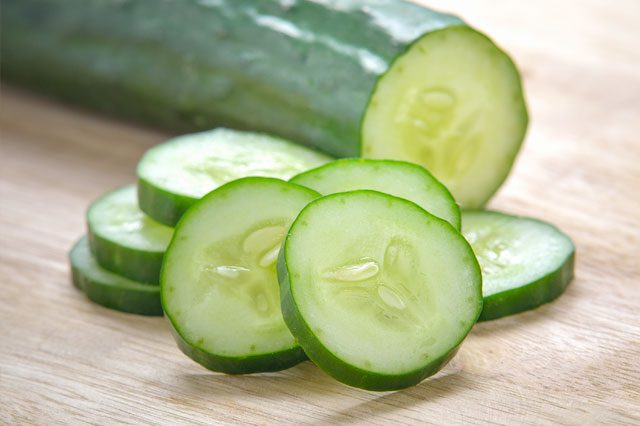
x=118, y=263
x=366, y=267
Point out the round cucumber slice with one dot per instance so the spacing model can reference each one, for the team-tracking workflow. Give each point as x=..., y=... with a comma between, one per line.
x=399, y=178
x=378, y=292
x=525, y=262
x=219, y=282
x=174, y=175
x=123, y=239
x=454, y=104
x=108, y=289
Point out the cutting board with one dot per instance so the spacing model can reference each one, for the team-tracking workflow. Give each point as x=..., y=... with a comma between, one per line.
x=574, y=361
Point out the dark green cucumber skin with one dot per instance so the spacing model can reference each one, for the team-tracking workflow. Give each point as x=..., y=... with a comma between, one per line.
x=193, y=65
x=262, y=363
x=521, y=299
x=341, y=371
x=161, y=205
x=138, y=265
x=130, y=297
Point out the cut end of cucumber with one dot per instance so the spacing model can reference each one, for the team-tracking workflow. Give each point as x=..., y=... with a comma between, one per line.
x=454, y=104
x=117, y=217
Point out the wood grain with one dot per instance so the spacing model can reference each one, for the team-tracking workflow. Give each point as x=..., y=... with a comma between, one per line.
x=575, y=361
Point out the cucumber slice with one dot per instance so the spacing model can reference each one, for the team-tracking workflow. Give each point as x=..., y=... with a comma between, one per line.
x=219, y=281
x=525, y=262
x=399, y=178
x=123, y=239
x=454, y=104
x=174, y=175
x=378, y=292
x=108, y=289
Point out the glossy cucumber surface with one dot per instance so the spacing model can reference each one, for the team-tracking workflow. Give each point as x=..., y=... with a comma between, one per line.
x=373, y=78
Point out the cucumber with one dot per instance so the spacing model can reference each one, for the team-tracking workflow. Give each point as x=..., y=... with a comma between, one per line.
x=174, y=175
x=525, y=262
x=399, y=178
x=454, y=104
x=377, y=78
x=219, y=283
x=377, y=291
x=108, y=289
x=124, y=240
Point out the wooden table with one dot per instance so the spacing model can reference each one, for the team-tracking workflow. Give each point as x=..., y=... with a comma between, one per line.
x=575, y=361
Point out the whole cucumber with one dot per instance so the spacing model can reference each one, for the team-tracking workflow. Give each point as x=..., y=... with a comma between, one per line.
x=302, y=69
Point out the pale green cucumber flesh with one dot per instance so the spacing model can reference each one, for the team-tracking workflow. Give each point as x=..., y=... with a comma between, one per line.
x=378, y=292
x=454, y=104
x=525, y=262
x=398, y=178
x=174, y=175
x=108, y=289
x=219, y=281
x=123, y=239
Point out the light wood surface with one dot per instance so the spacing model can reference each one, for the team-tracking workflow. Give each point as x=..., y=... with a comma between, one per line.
x=575, y=361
